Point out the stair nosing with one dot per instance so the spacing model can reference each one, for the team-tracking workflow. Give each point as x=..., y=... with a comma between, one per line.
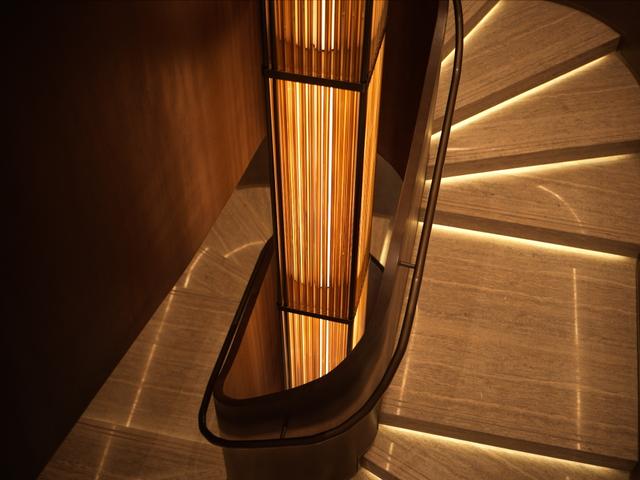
x=553, y=236
x=510, y=443
x=538, y=158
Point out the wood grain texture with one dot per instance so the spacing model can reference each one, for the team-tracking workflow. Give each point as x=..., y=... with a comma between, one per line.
x=589, y=203
x=151, y=400
x=364, y=474
x=593, y=111
x=406, y=455
x=473, y=11
x=521, y=44
x=130, y=127
x=407, y=52
x=98, y=450
x=257, y=368
x=526, y=345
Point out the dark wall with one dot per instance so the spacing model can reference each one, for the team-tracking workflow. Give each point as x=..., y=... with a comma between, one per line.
x=621, y=15
x=407, y=46
x=130, y=125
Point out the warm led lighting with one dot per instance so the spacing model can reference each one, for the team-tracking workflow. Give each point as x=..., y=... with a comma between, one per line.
x=492, y=450
x=533, y=169
x=324, y=166
x=576, y=338
x=531, y=243
x=448, y=60
x=314, y=140
x=532, y=91
x=194, y=263
x=231, y=253
x=316, y=347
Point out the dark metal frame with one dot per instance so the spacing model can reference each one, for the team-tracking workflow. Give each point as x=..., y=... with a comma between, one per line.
x=271, y=73
x=356, y=419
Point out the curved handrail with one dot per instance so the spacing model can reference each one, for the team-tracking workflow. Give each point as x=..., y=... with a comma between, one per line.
x=414, y=292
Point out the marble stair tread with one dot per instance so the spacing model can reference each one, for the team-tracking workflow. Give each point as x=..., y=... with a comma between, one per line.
x=473, y=11
x=591, y=204
x=159, y=383
x=99, y=450
x=408, y=455
x=520, y=45
x=591, y=112
x=364, y=474
x=156, y=389
x=522, y=344
x=227, y=256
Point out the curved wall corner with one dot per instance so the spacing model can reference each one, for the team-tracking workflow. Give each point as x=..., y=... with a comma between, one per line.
x=130, y=125
x=621, y=15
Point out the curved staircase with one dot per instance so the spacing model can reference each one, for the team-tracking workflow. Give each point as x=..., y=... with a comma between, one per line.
x=524, y=349
x=526, y=331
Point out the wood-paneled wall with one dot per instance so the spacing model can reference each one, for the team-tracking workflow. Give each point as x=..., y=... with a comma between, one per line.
x=130, y=125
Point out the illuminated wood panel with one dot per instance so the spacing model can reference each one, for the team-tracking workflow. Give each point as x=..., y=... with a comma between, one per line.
x=369, y=170
x=316, y=347
x=318, y=133
x=473, y=11
x=324, y=137
x=324, y=38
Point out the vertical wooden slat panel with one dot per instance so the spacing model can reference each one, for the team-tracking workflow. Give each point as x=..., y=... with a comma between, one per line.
x=317, y=159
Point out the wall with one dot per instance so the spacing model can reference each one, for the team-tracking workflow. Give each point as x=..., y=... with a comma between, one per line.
x=406, y=55
x=621, y=15
x=130, y=124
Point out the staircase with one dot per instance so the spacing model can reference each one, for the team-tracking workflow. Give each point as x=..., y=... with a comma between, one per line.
x=524, y=348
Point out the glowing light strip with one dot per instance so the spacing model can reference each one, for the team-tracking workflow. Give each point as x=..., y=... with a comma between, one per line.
x=521, y=96
x=558, y=197
x=531, y=243
x=532, y=169
x=105, y=454
x=193, y=265
x=576, y=338
x=493, y=449
x=471, y=33
x=240, y=248
x=152, y=352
